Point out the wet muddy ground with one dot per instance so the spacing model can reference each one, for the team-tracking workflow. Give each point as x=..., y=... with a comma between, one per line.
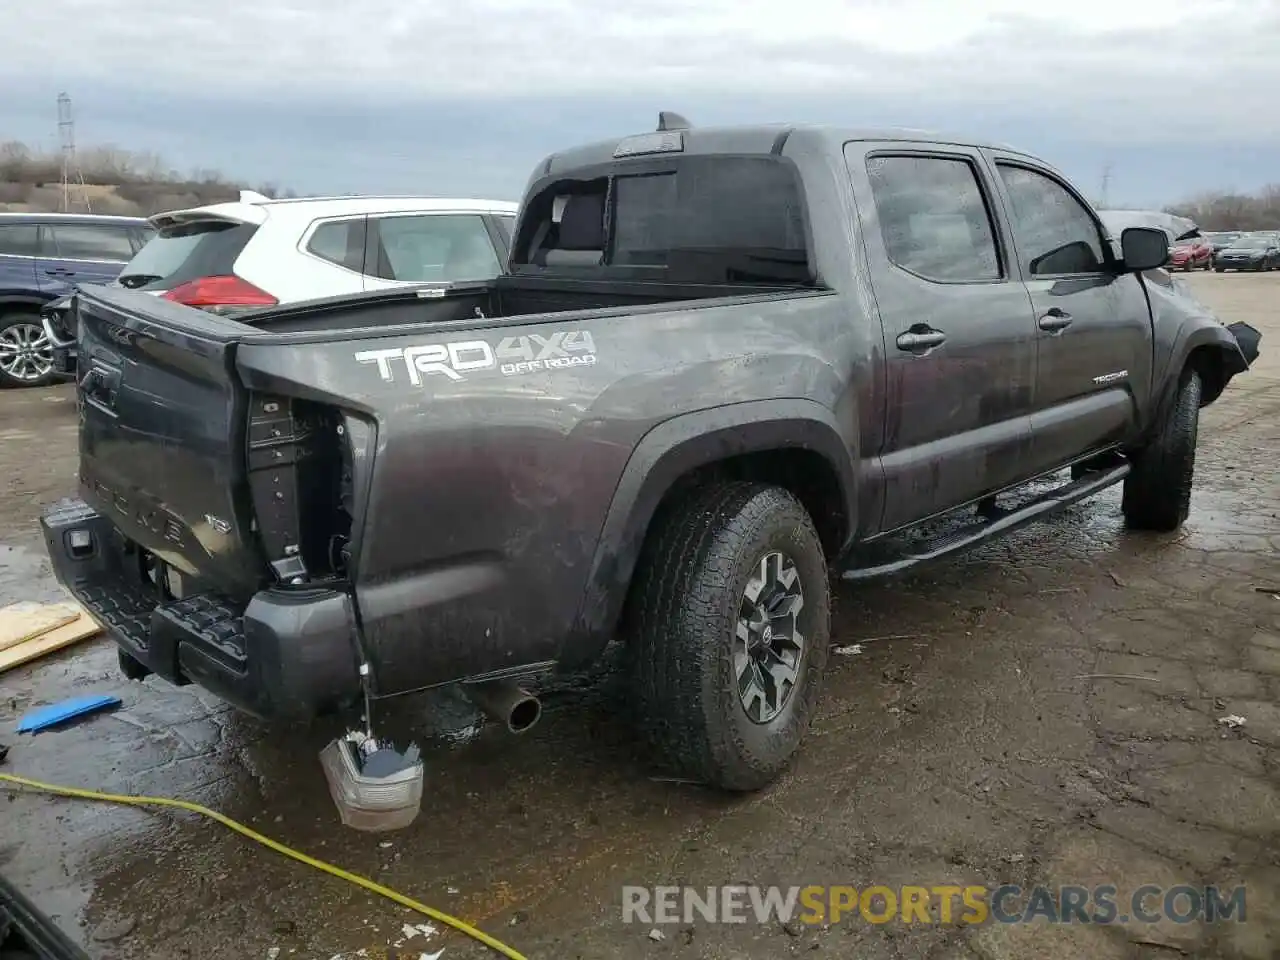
x=984, y=732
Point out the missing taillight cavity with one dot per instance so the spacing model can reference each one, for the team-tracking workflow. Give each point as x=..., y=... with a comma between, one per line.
x=300, y=467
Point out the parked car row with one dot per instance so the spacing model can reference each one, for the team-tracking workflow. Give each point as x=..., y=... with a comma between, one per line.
x=250, y=253
x=1254, y=250
x=1249, y=251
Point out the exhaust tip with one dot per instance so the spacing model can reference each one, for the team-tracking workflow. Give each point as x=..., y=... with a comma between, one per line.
x=508, y=704
x=524, y=715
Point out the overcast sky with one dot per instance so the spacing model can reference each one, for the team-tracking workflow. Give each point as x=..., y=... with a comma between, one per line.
x=465, y=97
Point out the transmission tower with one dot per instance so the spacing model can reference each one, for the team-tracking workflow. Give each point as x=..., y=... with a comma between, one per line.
x=1106, y=185
x=70, y=166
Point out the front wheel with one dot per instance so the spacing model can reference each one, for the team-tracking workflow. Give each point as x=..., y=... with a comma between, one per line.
x=26, y=355
x=727, y=633
x=1157, y=491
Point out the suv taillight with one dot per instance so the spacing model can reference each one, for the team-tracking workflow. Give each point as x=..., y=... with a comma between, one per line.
x=228, y=291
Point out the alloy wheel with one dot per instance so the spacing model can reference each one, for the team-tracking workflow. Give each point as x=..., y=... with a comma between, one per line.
x=25, y=352
x=768, y=646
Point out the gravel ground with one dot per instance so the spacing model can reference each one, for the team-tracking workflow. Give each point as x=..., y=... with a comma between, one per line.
x=979, y=736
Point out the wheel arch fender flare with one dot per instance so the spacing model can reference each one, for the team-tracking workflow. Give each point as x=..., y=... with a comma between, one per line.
x=8, y=300
x=1196, y=339
x=666, y=454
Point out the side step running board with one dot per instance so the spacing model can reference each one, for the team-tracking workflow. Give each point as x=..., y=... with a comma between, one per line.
x=992, y=523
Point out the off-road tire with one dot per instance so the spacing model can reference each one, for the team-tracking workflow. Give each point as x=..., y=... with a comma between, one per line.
x=680, y=628
x=1157, y=492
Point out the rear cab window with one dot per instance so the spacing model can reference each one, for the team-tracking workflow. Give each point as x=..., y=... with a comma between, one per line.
x=683, y=218
x=187, y=251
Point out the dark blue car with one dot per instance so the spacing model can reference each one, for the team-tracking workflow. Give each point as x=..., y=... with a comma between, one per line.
x=43, y=257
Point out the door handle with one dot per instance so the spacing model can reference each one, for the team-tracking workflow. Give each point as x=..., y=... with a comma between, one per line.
x=1054, y=320
x=60, y=272
x=921, y=339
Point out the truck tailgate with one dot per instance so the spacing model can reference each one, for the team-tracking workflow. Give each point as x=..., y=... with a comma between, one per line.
x=162, y=433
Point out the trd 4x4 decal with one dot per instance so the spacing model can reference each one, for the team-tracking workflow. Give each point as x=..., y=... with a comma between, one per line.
x=511, y=356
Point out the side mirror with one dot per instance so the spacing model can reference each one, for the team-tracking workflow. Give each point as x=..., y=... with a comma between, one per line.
x=1144, y=248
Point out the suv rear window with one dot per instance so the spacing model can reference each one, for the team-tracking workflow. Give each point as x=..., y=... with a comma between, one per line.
x=187, y=251
x=709, y=219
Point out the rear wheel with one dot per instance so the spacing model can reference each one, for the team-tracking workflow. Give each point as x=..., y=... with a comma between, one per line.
x=26, y=355
x=727, y=633
x=1157, y=492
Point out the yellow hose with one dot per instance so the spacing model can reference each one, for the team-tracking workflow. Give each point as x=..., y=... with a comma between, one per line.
x=278, y=847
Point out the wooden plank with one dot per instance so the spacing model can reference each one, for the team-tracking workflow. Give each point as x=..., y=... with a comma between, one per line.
x=81, y=628
x=24, y=621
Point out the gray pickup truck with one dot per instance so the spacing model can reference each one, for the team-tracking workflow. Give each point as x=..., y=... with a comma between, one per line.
x=721, y=365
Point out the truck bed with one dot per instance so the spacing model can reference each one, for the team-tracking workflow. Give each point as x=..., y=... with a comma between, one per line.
x=505, y=297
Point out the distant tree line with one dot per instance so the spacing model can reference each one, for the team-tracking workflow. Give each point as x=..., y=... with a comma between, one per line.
x=120, y=182
x=1233, y=211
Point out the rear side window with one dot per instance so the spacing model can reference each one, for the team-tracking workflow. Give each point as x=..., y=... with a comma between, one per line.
x=76, y=241
x=340, y=242
x=19, y=240
x=187, y=251
x=434, y=248
x=934, y=218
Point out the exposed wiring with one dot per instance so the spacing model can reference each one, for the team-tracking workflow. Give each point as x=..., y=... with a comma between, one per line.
x=459, y=925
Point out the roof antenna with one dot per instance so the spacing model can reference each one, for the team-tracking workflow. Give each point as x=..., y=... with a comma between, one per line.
x=672, y=121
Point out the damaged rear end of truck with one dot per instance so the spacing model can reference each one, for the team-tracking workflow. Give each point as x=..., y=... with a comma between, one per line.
x=381, y=494
x=187, y=542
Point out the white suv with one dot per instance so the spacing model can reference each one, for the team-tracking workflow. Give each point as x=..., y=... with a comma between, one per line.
x=260, y=252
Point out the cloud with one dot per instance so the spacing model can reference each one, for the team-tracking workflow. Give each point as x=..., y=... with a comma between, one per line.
x=483, y=87
x=305, y=49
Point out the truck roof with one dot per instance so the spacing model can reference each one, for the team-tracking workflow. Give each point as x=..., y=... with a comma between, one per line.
x=762, y=139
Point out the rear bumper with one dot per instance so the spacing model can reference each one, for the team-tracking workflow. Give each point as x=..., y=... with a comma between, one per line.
x=283, y=654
